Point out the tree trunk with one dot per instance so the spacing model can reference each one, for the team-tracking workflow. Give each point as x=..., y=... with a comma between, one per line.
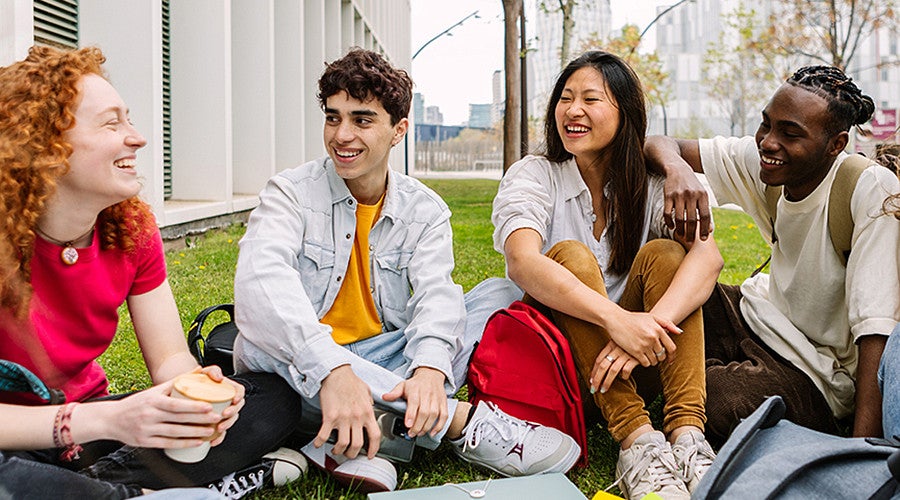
x=568, y=26
x=512, y=136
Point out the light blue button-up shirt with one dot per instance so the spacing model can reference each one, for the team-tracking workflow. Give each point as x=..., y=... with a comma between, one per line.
x=294, y=257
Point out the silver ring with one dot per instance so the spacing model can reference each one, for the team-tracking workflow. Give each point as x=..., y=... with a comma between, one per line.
x=610, y=359
x=661, y=353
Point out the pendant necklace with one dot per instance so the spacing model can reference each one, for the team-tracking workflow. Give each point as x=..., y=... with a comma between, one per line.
x=69, y=254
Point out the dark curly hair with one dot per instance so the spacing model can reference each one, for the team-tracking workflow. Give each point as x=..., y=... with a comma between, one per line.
x=38, y=98
x=365, y=75
x=846, y=103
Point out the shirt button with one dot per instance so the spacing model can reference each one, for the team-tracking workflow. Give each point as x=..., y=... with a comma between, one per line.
x=372, y=289
x=348, y=236
x=350, y=202
x=371, y=247
x=338, y=279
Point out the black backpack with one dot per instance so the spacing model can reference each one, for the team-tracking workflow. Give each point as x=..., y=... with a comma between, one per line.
x=216, y=348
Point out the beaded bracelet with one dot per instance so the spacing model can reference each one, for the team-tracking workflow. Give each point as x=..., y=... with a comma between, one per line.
x=62, y=433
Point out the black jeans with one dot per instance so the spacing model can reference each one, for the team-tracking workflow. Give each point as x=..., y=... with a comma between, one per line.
x=110, y=470
x=742, y=371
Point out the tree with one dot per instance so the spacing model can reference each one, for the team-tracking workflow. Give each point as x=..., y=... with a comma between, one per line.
x=567, y=9
x=512, y=134
x=648, y=67
x=743, y=67
x=829, y=31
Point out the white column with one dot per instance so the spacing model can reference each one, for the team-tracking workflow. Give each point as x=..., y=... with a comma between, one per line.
x=129, y=32
x=333, y=30
x=348, y=13
x=314, y=57
x=201, y=100
x=16, y=30
x=291, y=87
x=253, y=93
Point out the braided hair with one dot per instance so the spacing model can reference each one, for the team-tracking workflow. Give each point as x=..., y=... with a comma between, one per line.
x=846, y=103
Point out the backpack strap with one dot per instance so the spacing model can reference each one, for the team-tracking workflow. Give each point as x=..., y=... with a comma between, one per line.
x=773, y=193
x=195, y=339
x=840, y=219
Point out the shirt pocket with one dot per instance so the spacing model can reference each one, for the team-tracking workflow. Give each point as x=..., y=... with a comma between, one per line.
x=316, y=269
x=392, y=283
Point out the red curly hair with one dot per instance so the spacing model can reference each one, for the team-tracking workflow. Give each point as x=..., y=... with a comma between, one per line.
x=38, y=98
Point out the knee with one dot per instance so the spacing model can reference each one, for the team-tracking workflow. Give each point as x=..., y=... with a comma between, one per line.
x=574, y=256
x=661, y=253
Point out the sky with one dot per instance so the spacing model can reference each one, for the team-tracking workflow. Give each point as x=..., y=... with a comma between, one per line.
x=456, y=69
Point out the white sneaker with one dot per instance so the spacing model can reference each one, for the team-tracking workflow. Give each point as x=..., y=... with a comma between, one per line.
x=649, y=467
x=367, y=476
x=514, y=447
x=694, y=456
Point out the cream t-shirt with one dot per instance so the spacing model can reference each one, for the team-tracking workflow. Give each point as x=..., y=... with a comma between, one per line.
x=811, y=309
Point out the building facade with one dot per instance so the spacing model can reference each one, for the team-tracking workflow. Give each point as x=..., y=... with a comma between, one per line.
x=684, y=35
x=224, y=91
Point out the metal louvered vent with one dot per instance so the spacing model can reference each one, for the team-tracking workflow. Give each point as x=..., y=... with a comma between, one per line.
x=56, y=23
x=167, y=103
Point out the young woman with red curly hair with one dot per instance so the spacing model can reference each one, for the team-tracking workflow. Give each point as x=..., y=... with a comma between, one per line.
x=76, y=243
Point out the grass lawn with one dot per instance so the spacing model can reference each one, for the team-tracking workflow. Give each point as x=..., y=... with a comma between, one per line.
x=201, y=275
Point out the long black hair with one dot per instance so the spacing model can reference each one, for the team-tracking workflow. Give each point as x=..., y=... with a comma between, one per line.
x=626, y=176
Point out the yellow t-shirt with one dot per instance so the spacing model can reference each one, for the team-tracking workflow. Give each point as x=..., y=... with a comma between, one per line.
x=353, y=317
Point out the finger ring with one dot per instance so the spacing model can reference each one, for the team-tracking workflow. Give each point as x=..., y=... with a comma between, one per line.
x=610, y=359
x=661, y=353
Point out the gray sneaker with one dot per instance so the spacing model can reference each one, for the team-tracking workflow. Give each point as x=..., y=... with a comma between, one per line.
x=649, y=467
x=514, y=447
x=694, y=456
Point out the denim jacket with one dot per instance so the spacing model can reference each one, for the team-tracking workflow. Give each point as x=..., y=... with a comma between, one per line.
x=295, y=254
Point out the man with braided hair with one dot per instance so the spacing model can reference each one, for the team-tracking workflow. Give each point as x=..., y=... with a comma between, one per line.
x=814, y=328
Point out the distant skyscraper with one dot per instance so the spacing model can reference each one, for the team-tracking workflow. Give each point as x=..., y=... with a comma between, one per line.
x=418, y=108
x=497, y=103
x=544, y=32
x=480, y=115
x=433, y=115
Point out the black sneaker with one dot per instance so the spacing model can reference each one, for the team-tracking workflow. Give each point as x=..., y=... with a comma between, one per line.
x=275, y=469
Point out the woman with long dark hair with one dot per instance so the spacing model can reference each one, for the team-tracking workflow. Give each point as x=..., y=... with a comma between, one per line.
x=583, y=233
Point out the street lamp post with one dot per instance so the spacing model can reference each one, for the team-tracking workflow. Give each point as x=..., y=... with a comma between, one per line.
x=413, y=58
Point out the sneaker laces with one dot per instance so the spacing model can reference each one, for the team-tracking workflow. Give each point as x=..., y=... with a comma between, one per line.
x=697, y=460
x=501, y=424
x=658, y=467
x=231, y=487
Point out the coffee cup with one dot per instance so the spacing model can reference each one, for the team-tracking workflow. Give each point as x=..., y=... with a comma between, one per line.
x=199, y=387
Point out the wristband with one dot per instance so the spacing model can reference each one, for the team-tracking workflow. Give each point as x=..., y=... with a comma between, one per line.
x=62, y=433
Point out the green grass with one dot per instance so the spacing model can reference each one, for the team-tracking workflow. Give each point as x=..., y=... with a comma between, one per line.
x=202, y=275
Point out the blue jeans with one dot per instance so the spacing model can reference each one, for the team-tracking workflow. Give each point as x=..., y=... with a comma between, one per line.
x=270, y=414
x=380, y=362
x=889, y=382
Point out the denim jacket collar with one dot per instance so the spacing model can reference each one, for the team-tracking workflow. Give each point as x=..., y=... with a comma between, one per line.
x=340, y=193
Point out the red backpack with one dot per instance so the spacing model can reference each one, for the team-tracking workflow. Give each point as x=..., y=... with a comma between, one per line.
x=523, y=364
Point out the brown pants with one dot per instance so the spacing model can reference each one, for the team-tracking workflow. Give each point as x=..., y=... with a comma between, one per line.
x=742, y=371
x=682, y=380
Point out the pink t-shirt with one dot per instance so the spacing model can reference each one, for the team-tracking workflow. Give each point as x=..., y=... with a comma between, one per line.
x=74, y=314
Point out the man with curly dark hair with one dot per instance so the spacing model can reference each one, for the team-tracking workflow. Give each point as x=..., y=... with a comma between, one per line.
x=812, y=330
x=343, y=288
